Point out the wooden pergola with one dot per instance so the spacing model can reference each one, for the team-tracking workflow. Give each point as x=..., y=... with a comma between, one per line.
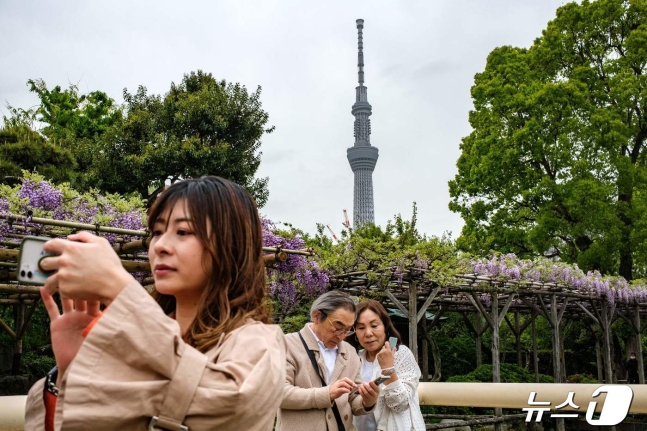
x=494, y=301
x=131, y=246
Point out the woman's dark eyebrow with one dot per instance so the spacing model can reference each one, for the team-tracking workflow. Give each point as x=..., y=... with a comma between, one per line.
x=162, y=220
x=372, y=321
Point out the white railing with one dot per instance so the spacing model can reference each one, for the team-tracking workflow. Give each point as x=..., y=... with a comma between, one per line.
x=504, y=395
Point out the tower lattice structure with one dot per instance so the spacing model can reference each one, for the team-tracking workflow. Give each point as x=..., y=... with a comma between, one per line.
x=362, y=156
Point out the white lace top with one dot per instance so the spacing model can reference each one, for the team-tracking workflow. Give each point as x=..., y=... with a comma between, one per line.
x=398, y=407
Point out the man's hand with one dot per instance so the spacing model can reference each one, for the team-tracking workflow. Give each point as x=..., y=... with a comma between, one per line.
x=369, y=392
x=340, y=387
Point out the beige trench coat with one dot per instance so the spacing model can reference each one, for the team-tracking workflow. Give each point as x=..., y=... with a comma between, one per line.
x=120, y=376
x=306, y=405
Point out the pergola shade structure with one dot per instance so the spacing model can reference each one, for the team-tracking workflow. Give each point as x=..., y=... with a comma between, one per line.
x=495, y=300
x=130, y=245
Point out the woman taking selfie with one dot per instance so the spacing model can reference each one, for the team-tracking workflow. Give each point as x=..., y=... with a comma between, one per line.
x=397, y=408
x=196, y=355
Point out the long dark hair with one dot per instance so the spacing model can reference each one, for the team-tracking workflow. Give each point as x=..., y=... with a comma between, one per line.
x=377, y=308
x=226, y=221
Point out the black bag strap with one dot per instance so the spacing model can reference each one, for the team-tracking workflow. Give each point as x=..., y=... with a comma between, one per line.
x=335, y=410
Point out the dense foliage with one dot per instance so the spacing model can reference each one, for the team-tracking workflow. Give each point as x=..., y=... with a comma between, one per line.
x=201, y=126
x=509, y=374
x=555, y=165
x=383, y=252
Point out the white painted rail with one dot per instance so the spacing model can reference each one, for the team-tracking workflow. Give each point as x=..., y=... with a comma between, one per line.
x=504, y=395
x=12, y=413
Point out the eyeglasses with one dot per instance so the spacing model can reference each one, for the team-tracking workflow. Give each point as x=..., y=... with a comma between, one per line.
x=341, y=332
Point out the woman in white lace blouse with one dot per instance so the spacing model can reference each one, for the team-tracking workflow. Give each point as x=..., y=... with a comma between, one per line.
x=398, y=408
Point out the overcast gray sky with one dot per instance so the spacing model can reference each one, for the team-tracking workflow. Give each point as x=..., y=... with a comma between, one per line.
x=420, y=60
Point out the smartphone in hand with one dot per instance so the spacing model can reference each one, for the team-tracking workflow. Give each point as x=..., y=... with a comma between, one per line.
x=378, y=382
x=393, y=342
x=31, y=253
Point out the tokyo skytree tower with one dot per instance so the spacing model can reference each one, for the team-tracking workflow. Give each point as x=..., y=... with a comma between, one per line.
x=362, y=156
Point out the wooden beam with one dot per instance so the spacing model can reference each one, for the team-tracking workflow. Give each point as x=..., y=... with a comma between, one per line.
x=9, y=331
x=469, y=325
x=533, y=307
x=437, y=317
x=510, y=325
x=28, y=317
x=588, y=313
x=561, y=312
x=423, y=309
x=546, y=313
x=506, y=307
x=477, y=303
x=413, y=323
x=396, y=302
x=525, y=325
x=628, y=320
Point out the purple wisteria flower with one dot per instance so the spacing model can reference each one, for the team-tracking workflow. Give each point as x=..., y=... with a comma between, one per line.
x=41, y=195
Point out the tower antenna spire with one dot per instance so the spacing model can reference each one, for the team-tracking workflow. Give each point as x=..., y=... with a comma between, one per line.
x=360, y=51
x=362, y=156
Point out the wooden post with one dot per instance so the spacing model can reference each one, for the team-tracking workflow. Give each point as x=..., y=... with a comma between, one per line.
x=598, y=357
x=478, y=322
x=413, y=323
x=639, y=345
x=535, y=359
x=425, y=350
x=19, y=317
x=557, y=361
x=606, y=342
x=496, y=367
x=517, y=336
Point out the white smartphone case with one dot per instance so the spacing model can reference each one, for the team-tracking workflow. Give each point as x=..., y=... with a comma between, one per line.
x=31, y=252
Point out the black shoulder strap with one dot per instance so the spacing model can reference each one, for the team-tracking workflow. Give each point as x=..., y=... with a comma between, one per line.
x=335, y=410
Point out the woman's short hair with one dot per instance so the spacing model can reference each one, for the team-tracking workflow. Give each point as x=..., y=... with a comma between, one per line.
x=225, y=219
x=377, y=308
x=331, y=301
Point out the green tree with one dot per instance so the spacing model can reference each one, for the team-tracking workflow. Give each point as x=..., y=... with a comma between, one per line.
x=555, y=164
x=75, y=121
x=21, y=148
x=201, y=126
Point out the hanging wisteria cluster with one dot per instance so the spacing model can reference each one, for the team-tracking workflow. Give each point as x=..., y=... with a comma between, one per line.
x=298, y=279
x=36, y=197
x=508, y=267
x=292, y=282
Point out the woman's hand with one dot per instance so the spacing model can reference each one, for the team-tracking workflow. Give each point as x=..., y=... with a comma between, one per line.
x=87, y=268
x=385, y=356
x=67, y=328
x=369, y=392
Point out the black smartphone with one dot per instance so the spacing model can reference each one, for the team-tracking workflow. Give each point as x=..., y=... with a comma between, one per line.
x=377, y=382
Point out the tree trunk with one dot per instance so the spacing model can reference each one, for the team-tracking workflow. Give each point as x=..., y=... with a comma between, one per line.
x=624, y=205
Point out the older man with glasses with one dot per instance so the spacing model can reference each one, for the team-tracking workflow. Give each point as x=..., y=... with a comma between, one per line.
x=323, y=388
